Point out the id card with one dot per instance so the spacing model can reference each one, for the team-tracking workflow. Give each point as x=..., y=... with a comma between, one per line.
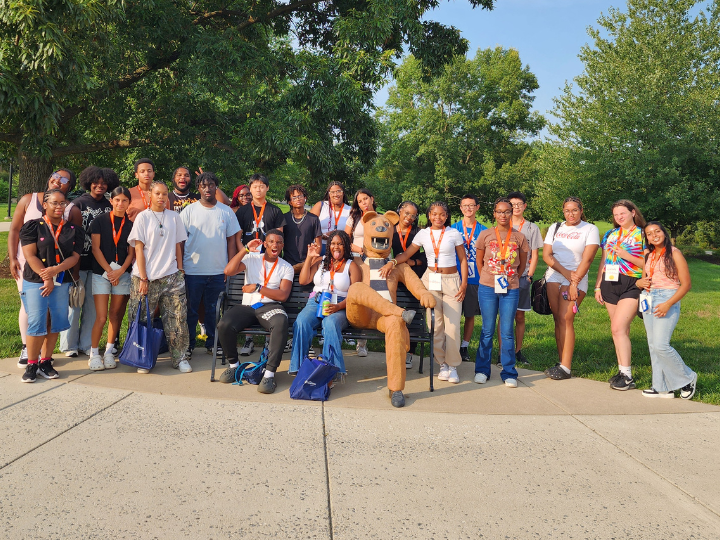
x=257, y=305
x=612, y=272
x=114, y=266
x=435, y=282
x=645, y=302
x=501, y=284
x=59, y=278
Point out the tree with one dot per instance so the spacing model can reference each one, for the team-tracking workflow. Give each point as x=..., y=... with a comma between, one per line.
x=643, y=120
x=459, y=132
x=218, y=80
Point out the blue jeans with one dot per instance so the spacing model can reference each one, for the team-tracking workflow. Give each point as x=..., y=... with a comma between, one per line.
x=492, y=303
x=37, y=307
x=197, y=289
x=82, y=319
x=669, y=372
x=304, y=330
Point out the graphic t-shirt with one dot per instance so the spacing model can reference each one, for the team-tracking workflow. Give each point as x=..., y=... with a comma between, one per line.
x=271, y=219
x=178, y=202
x=104, y=228
x=631, y=241
x=208, y=228
x=470, y=249
x=492, y=265
x=298, y=234
x=90, y=208
x=37, y=232
x=254, y=273
x=569, y=243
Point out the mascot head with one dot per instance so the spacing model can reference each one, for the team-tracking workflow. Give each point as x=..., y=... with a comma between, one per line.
x=379, y=230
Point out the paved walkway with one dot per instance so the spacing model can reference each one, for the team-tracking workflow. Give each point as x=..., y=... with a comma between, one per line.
x=121, y=455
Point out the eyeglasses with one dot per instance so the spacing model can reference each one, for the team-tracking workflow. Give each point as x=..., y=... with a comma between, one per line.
x=468, y=206
x=58, y=176
x=518, y=205
x=411, y=216
x=246, y=196
x=573, y=211
x=297, y=197
x=505, y=213
x=56, y=204
x=336, y=192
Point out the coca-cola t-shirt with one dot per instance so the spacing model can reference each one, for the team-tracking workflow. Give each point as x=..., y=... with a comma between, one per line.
x=570, y=242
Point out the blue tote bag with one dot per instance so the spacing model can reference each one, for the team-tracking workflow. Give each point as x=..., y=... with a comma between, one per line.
x=312, y=381
x=142, y=342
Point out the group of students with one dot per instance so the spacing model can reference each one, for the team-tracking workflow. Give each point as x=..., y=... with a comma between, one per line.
x=172, y=250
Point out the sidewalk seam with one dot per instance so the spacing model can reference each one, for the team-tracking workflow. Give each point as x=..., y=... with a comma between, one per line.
x=327, y=470
x=64, y=431
x=33, y=396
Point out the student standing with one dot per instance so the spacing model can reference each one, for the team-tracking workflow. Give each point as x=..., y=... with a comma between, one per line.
x=51, y=247
x=111, y=266
x=157, y=236
x=501, y=255
x=140, y=194
x=211, y=229
x=302, y=228
x=333, y=210
x=620, y=267
x=241, y=196
x=268, y=282
x=470, y=228
x=442, y=244
x=570, y=248
x=666, y=280
x=181, y=195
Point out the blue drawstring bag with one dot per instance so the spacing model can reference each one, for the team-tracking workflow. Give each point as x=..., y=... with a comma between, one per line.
x=158, y=324
x=312, y=381
x=142, y=342
x=252, y=372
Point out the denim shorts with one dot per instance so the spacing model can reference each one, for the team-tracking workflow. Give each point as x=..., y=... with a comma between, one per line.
x=37, y=307
x=100, y=285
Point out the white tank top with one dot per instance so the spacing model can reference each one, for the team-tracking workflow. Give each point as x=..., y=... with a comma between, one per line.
x=341, y=284
x=327, y=218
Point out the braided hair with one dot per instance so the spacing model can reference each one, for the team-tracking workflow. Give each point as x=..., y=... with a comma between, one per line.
x=444, y=206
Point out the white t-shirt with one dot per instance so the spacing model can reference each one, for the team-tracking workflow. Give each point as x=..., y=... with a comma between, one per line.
x=159, y=249
x=569, y=244
x=207, y=230
x=254, y=274
x=450, y=240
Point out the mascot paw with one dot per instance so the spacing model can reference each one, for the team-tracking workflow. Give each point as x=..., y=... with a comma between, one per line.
x=397, y=399
x=427, y=300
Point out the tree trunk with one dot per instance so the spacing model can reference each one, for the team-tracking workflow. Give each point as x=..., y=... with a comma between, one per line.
x=34, y=173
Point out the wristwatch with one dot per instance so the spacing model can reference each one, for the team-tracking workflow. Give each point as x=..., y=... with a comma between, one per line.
x=258, y=287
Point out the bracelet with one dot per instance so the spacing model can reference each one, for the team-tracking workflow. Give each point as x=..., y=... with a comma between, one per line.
x=394, y=261
x=246, y=249
x=597, y=289
x=146, y=280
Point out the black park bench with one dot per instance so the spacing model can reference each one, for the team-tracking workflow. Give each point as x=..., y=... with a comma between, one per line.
x=296, y=303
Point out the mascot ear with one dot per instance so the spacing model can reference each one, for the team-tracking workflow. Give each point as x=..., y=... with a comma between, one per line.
x=392, y=217
x=368, y=216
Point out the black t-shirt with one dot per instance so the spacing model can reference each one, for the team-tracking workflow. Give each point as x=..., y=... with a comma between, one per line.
x=299, y=235
x=36, y=231
x=419, y=258
x=177, y=203
x=90, y=209
x=272, y=219
x=103, y=227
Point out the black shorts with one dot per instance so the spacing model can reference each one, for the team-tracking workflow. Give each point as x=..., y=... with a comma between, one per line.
x=470, y=305
x=614, y=291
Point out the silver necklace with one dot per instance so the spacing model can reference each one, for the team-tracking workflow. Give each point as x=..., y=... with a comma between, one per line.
x=301, y=220
x=160, y=223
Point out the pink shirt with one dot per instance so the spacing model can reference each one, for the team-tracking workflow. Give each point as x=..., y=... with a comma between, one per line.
x=660, y=280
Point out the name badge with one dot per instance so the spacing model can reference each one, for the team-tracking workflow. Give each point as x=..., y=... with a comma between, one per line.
x=645, y=302
x=501, y=284
x=612, y=272
x=435, y=282
x=59, y=278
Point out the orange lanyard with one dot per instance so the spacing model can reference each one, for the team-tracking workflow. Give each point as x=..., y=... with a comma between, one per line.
x=116, y=235
x=521, y=225
x=258, y=219
x=332, y=213
x=403, y=241
x=468, y=241
x=333, y=269
x=436, y=249
x=56, y=235
x=654, y=262
x=142, y=195
x=503, y=253
x=267, y=276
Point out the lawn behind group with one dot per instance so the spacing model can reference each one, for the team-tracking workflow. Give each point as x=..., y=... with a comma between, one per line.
x=696, y=338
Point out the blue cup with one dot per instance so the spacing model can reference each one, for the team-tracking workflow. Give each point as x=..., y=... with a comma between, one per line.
x=325, y=296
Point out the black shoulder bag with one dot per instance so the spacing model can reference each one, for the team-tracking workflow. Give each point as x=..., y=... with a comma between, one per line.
x=538, y=291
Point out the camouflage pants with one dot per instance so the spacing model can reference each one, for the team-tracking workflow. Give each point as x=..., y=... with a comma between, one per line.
x=169, y=293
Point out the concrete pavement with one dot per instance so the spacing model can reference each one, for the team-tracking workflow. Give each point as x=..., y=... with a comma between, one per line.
x=169, y=455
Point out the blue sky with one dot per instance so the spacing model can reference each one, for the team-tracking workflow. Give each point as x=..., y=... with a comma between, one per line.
x=548, y=34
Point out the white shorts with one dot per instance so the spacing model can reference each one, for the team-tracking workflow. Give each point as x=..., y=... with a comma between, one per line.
x=556, y=277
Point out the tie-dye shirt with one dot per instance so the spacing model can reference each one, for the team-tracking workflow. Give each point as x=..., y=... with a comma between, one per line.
x=632, y=242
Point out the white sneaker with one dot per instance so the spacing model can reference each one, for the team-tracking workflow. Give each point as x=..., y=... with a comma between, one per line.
x=248, y=347
x=184, y=366
x=362, y=350
x=348, y=341
x=96, y=363
x=511, y=383
x=408, y=361
x=72, y=353
x=87, y=352
x=109, y=360
x=143, y=370
x=444, y=372
x=480, y=378
x=453, y=376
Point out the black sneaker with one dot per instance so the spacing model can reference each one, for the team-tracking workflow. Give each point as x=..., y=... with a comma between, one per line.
x=30, y=374
x=219, y=350
x=614, y=378
x=623, y=383
x=464, y=356
x=267, y=385
x=47, y=371
x=688, y=391
x=397, y=398
x=557, y=373
x=23, y=360
x=228, y=376
x=520, y=359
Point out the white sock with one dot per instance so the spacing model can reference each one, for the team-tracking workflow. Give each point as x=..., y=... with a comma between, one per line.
x=464, y=344
x=566, y=370
x=626, y=370
x=235, y=365
x=269, y=374
x=94, y=351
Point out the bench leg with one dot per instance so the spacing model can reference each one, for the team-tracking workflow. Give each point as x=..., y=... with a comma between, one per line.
x=431, y=358
x=422, y=356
